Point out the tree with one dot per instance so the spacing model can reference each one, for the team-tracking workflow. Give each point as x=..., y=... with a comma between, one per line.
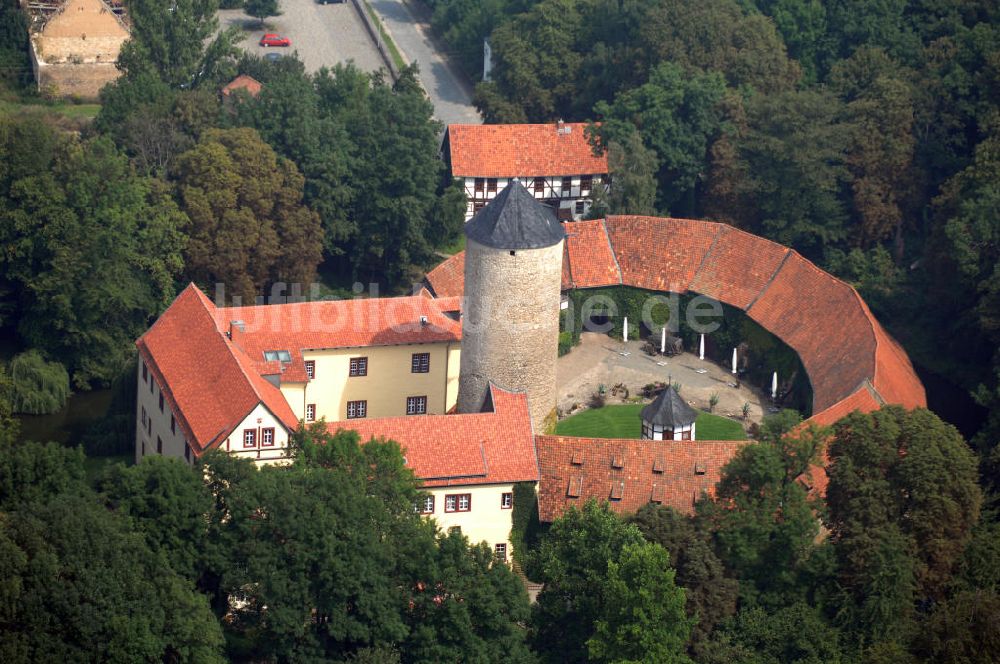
x=398, y=182
x=881, y=152
x=718, y=36
x=470, y=608
x=786, y=176
x=326, y=558
x=802, y=25
x=676, y=115
x=963, y=629
x=710, y=594
x=261, y=9
x=368, y=151
x=536, y=64
x=248, y=225
x=93, y=249
x=902, y=501
x=175, y=42
x=9, y=425
x=80, y=586
x=762, y=516
x=796, y=634
x=168, y=503
x=643, y=619
x=35, y=471
x=40, y=387
x=574, y=561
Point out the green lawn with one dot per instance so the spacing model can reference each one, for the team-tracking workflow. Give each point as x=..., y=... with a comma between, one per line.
x=65, y=109
x=623, y=422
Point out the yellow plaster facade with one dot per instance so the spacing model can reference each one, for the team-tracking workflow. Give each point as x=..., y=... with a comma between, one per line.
x=385, y=387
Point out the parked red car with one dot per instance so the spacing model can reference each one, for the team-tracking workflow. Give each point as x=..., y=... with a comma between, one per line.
x=275, y=40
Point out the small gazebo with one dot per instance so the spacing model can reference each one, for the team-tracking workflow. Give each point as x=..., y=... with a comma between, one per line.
x=668, y=418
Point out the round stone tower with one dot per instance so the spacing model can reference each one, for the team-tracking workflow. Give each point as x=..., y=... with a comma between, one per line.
x=510, y=326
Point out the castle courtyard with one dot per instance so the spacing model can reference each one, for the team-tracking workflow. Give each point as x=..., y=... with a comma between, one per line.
x=599, y=360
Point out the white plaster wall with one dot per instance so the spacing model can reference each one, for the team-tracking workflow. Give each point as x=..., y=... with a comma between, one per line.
x=158, y=423
x=258, y=419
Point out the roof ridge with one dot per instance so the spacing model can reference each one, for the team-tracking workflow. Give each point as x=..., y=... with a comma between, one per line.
x=719, y=230
x=770, y=280
x=611, y=248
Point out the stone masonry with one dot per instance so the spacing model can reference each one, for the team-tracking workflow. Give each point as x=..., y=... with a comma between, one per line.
x=510, y=327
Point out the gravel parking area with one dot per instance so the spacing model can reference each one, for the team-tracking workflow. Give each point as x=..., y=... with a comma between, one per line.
x=598, y=360
x=322, y=35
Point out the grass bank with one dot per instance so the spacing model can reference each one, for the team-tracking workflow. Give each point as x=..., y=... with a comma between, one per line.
x=623, y=422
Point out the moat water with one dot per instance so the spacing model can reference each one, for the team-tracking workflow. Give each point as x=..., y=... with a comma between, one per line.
x=66, y=425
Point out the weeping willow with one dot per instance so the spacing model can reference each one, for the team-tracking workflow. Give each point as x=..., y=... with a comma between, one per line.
x=40, y=387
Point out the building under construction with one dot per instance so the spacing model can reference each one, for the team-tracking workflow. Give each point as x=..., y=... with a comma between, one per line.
x=74, y=45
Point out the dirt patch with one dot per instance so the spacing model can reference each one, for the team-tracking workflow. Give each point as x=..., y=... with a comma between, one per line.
x=599, y=359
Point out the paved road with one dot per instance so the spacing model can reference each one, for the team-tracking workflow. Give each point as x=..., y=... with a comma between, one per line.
x=320, y=34
x=451, y=97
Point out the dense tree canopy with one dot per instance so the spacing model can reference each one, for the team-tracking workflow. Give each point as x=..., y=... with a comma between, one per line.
x=608, y=595
x=92, y=248
x=248, y=225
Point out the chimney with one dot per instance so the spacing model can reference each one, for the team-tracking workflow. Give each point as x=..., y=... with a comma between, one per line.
x=236, y=330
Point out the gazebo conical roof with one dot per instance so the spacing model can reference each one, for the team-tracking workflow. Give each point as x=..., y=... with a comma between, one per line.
x=669, y=411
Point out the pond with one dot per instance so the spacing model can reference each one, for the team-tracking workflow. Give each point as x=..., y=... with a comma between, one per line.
x=66, y=425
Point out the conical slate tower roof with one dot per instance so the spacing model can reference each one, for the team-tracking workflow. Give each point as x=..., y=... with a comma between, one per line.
x=669, y=411
x=515, y=220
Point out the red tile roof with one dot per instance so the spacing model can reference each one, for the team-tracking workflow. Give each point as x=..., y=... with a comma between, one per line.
x=738, y=267
x=448, y=278
x=337, y=324
x=589, y=260
x=243, y=82
x=822, y=318
x=213, y=381
x=522, y=150
x=660, y=254
x=210, y=385
x=674, y=472
x=463, y=449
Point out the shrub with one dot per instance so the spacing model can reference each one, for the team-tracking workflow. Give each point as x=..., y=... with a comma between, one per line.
x=713, y=401
x=565, y=343
x=40, y=387
x=597, y=400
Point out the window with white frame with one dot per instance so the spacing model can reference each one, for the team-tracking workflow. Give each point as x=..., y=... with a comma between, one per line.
x=500, y=550
x=416, y=405
x=310, y=412
x=356, y=409
x=249, y=438
x=458, y=502
x=310, y=369
x=426, y=505
x=267, y=437
x=506, y=500
x=359, y=366
x=420, y=363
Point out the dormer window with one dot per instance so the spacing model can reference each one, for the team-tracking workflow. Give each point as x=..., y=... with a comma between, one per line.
x=277, y=356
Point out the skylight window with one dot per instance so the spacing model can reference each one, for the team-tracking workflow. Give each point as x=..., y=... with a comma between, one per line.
x=277, y=355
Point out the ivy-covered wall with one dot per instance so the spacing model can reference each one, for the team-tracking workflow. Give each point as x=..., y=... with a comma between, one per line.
x=524, y=521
